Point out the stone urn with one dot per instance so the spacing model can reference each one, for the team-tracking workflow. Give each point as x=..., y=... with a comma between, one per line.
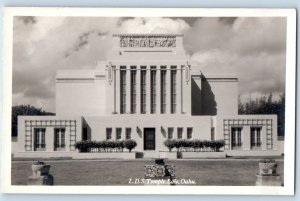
x=267, y=167
x=40, y=168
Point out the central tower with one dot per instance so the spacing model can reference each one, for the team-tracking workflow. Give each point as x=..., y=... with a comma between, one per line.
x=147, y=74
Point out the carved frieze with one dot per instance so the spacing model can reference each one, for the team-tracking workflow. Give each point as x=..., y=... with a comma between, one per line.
x=148, y=41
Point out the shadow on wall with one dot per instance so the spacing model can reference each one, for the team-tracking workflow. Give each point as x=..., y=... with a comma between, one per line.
x=86, y=131
x=196, y=96
x=208, y=100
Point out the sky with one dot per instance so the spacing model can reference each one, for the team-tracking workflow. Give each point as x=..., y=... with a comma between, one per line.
x=254, y=48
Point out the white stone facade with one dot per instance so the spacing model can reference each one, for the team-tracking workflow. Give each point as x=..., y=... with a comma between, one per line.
x=146, y=90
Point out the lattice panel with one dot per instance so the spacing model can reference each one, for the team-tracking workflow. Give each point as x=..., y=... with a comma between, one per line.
x=228, y=123
x=30, y=124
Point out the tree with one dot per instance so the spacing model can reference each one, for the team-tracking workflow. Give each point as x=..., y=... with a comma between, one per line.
x=266, y=105
x=24, y=110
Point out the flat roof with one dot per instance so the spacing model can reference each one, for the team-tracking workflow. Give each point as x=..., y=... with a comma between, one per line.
x=118, y=35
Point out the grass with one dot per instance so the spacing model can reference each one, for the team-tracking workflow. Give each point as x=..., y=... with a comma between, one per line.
x=238, y=172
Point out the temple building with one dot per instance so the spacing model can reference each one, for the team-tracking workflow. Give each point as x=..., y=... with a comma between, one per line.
x=149, y=91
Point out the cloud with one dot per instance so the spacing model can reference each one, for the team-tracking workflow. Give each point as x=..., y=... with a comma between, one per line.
x=154, y=25
x=42, y=45
x=252, y=47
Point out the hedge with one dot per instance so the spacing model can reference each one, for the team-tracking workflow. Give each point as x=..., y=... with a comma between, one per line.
x=105, y=145
x=195, y=145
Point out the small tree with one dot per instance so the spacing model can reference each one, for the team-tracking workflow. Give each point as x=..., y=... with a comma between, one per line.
x=170, y=144
x=130, y=144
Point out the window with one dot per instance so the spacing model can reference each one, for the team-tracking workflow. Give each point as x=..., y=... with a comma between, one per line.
x=173, y=89
x=189, y=133
x=153, y=90
x=179, y=133
x=39, y=139
x=128, y=133
x=170, y=133
x=122, y=89
x=163, y=88
x=108, y=133
x=143, y=89
x=59, y=138
x=133, y=90
x=255, y=137
x=119, y=133
x=212, y=134
x=236, y=137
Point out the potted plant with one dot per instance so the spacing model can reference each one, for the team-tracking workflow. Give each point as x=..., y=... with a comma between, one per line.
x=40, y=168
x=267, y=166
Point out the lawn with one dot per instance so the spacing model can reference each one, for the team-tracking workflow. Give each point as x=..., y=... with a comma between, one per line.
x=236, y=172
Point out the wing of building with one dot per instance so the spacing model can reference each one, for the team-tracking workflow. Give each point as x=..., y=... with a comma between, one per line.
x=147, y=90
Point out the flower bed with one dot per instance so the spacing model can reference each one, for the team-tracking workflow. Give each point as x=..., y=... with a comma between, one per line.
x=105, y=146
x=194, y=145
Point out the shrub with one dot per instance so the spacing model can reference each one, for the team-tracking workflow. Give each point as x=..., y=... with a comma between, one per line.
x=267, y=161
x=129, y=144
x=83, y=146
x=105, y=145
x=196, y=145
x=170, y=144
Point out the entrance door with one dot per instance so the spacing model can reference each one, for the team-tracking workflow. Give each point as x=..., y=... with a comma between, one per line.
x=149, y=138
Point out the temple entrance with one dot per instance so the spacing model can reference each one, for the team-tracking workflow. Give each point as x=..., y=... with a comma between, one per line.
x=149, y=138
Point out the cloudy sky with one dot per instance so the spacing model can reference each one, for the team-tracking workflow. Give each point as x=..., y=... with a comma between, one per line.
x=254, y=48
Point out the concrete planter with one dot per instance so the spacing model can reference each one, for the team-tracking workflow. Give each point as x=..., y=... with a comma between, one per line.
x=267, y=168
x=203, y=154
x=169, y=155
x=41, y=169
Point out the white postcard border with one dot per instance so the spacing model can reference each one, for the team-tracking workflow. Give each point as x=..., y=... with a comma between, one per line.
x=289, y=158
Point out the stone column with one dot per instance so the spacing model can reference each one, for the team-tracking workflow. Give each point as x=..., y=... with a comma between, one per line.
x=246, y=137
x=138, y=90
x=128, y=91
x=117, y=97
x=263, y=137
x=158, y=92
x=148, y=91
x=168, y=89
x=67, y=138
x=178, y=90
x=114, y=90
x=49, y=139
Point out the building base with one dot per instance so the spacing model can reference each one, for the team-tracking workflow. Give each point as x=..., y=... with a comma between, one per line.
x=44, y=180
x=268, y=180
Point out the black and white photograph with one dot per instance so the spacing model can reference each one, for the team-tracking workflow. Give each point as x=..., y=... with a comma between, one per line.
x=118, y=99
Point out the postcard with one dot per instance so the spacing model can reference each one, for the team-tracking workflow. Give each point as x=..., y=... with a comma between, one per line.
x=143, y=100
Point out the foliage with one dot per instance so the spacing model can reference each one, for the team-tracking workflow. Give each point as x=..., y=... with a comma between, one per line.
x=266, y=105
x=39, y=163
x=24, y=110
x=105, y=145
x=170, y=144
x=267, y=161
x=130, y=144
x=194, y=145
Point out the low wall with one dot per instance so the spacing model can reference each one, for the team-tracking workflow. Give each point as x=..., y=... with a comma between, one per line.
x=253, y=153
x=203, y=155
x=42, y=154
x=169, y=155
x=76, y=155
x=110, y=155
